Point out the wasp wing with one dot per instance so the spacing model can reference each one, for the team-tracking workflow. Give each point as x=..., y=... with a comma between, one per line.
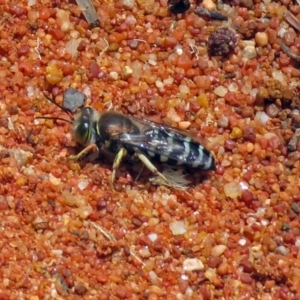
x=168, y=145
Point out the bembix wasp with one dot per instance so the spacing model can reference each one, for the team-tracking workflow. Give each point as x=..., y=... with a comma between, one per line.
x=136, y=139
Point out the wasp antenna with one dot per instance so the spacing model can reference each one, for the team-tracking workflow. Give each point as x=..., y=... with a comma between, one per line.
x=59, y=106
x=55, y=118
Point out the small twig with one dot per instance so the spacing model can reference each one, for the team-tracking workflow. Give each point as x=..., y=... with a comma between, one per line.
x=104, y=232
x=36, y=49
x=194, y=50
x=111, y=238
x=138, y=176
x=140, y=40
x=132, y=253
x=110, y=104
x=106, y=47
x=4, y=19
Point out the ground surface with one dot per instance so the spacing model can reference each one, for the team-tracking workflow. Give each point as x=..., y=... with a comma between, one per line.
x=234, y=235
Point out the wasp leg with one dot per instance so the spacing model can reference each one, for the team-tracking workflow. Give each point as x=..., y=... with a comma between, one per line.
x=118, y=159
x=152, y=168
x=84, y=152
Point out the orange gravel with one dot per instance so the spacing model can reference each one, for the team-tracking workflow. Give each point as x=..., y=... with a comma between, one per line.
x=233, y=234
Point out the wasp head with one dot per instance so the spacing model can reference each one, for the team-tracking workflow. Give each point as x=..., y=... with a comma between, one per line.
x=84, y=126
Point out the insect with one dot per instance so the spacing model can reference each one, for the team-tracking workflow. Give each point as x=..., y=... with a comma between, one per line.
x=135, y=139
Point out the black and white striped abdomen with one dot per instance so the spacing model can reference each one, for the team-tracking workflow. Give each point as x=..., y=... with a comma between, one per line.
x=180, y=151
x=171, y=147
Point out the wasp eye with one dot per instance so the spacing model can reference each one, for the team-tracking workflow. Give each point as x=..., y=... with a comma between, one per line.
x=82, y=130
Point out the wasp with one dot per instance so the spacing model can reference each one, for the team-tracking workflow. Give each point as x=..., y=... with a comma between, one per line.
x=133, y=138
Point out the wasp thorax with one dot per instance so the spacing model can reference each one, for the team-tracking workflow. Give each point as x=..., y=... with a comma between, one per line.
x=83, y=126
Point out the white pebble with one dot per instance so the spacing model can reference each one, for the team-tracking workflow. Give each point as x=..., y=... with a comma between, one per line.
x=31, y=2
x=159, y=84
x=223, y=122
x=152, y=60
x=282, y=250
x=278, y=75
x=220, y=91
x=232, y=190
x=30, y=91
x=178, y=50
x=184, y=89
x=71, y=46
x=254, y=92
x=178, y=227
x=84, y=212
x=144, y=252
x=82, y=184
x=54, y=180
x=57, y=252
x=249, y=52
x=28, y=171
x=242, y=242
x=113, y=75
x=193, y=264
x=20, y=156
x=262, y=117
x=260, y=212
x=233, y=87
x=246, y=88
x=173, y=116
x=264, y=222
x=169, y=80
x=154, y=278
x=152, y=236
x=128, y=4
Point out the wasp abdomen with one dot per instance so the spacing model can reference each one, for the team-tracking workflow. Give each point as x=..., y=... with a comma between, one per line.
x=180, y=151
x=171, y=147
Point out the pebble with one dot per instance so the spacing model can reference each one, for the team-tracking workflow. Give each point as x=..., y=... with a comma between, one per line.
x=220, y=91
x=184, y=125
x=249, y=52
x=272, y=110
x=261, y=39
x=245, y=278
x=156, y=290
x=128, y=4
x=172, y=115
x=54, y=180
x=113, y=75
x=282, y=250
x=236, y=133
x=233, y=190
x=223, y=268
x=145, y=62
x=218, y=250
x=193, y=264
x=73, y=99
x=178, y=227
x=242, y=242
